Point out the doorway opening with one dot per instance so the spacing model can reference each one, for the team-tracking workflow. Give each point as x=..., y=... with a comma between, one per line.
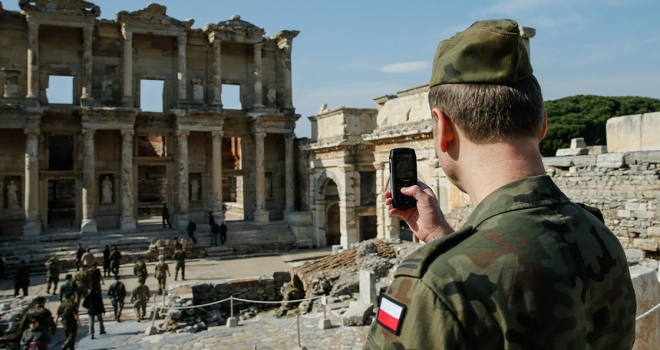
x=151, y=193
x=61, y=204
x=368, y=227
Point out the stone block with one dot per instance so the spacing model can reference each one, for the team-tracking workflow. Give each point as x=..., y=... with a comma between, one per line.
x=653, y=231
x=610, y=160
x=356, y=314
x=232, y=322
x=368, y=287
x=647, y=293
x=650, y=131
x=584, y=161
x=634, y=255
x=624, y=133
x=647, y=244
x=597, y=149
x=561, y=162
x=635, y=205
x=578, y=143
x=324, y=323
x=644, y=214
x=336, y=249
x=623, y=213
x=563, y=152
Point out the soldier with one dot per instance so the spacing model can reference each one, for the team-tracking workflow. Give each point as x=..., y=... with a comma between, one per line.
x=140, y=269
x=87, y=258
x=115, y=260
x=162, y=271
x=83, y=283
x=95, y=277
x=42, y=314
x=139, y=298
x=22, y=279
x=117, y=293
x=79, y=253
x=68, y=311
x=529, y=269
x=68, y=286
x=180, y=257
x=52, y=274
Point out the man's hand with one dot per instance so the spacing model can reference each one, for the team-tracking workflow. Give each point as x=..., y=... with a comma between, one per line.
x=426, y=219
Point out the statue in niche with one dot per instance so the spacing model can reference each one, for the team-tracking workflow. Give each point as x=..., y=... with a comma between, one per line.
x=194, y=190
x=12, y=196
x=107, y=190
x=271, y=95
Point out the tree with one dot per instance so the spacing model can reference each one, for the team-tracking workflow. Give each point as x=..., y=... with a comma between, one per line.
x=586, y=116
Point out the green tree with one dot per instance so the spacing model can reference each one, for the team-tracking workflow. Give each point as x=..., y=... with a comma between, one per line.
x=586, y=116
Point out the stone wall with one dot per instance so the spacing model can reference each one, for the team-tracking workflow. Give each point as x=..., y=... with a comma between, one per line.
x=263, y=288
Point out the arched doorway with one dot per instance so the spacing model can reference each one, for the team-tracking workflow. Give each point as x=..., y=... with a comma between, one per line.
x=332, y=228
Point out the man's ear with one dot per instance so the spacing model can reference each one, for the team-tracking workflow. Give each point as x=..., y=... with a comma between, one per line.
x=445, y=129
x=544, y=130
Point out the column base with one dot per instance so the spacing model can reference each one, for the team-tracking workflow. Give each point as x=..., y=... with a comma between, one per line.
x=182, y=221
x=31, y=228
x=219, y=216
x=127, y=102
x=261, y=216
x=87, y=101
x=128, y=224
x=88, y=225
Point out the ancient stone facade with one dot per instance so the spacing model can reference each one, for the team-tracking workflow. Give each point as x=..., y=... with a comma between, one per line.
x=100, y=161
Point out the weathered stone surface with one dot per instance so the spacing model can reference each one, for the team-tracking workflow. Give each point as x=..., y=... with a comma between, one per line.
x=647, y=291
x=645, y=244
x=356, y=314
x=571, y=152
x=610, y=160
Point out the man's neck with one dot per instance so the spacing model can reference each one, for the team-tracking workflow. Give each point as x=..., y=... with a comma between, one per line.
x=489, y=167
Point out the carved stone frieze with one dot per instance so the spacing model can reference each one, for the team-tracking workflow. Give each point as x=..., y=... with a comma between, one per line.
x=153, y=17
x=235, y=30
x=66, y=7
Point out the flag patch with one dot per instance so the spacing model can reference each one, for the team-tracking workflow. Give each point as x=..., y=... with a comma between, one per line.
x=390, y=314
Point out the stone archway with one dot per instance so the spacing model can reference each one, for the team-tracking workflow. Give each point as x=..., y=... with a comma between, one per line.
x=326, y=193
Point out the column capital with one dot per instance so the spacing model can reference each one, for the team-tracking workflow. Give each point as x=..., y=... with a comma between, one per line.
x=289, y=136
x=379, y=166
x=217, y=134
x=127, y=133
x=182, y=134
x=32, y=132
x=260, y=134
x=127, y=34
x=32, y=25
x=88, y=132
x=258, y=46
x=182, y=38
x=88, y=30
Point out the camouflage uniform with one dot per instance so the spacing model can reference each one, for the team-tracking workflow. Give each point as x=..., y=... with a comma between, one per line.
x=67, y=286
x=180, y=257
x=52, y=274
x=162, y=269
x=83, y=283
x=68, y=311
x=117, y=293
x=140, y=270
x=115, y=259
x=139, y=298
x=42, y=314
x=94, y=278
x=528, y=270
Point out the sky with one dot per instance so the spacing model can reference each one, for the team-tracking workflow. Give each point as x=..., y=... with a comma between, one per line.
x=350, y=52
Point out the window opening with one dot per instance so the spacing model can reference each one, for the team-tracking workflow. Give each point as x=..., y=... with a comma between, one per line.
x=151, y=95
x=231, y=96
x=60, y=89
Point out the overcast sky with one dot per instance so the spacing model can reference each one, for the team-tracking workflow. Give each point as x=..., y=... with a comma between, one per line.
x=349, y=52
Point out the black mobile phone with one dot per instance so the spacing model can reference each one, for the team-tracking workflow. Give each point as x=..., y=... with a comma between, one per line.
x=403, y=173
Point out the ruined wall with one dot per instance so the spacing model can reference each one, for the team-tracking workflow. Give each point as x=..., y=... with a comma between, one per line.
x=264, y=288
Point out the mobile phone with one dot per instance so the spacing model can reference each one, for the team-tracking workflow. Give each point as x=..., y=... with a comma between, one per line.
x=403, y=173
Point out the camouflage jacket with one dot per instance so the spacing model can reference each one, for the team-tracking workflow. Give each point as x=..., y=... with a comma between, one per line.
x=83, y=282
x=115, y=257
x=68, y=311
x=68, y=286
x=140, y=293
x=528, y=270
x=52, y=267
x=180, y=256
x=161, y=269
x=140, y=269
x=42, y=314
x=117, y=291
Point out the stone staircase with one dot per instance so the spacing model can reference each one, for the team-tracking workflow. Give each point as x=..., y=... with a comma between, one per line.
x=243, y=239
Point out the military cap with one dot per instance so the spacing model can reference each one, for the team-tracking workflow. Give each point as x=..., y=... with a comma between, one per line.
x=139, y=257
x=68, y=275
x=488, y=52
x=39, y=300
x=67, y=295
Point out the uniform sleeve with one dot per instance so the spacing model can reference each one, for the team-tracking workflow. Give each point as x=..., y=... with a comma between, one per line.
x=425, y=322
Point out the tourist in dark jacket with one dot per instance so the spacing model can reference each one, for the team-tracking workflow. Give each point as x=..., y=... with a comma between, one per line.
x=106, y=261
x=35, y=336
x=95, y=309
x=22, y=279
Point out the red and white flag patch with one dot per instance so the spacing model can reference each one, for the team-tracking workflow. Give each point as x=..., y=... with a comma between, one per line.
x=390, y=314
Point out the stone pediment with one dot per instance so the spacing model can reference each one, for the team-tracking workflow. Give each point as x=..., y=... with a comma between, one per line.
x=62, y=7
x=284, y=37
x=275, y=123
x=236, y=30
x=154, y=15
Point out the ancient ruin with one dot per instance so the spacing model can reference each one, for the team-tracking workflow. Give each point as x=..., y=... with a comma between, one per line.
x=100, y=161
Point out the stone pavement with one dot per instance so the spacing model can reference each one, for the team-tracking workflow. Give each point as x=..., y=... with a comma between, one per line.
x=265, y=331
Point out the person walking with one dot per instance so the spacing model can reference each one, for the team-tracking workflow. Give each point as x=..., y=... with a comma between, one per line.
x=68, y=311
x=215, y=231
x=87, y=258
x=35, y=336
x=180, y=257
x=83, y=283
x=79, y=253
x=140, y=269
x=95, y=277
x=106, y=261
x=117, y=293
x=22, y=279
x=192, y=227
x=95, y=309
x=115, y=261
x=211, y=219
x=162, y=271
x=68, y=286
x=223, y=233
x=40, y=313
x=166, y=216
x=140, y=298
x=52, y=274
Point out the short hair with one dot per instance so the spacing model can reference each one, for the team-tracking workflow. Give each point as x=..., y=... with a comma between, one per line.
x=117, y=277
x=95, y=263
x=39, y=300
x=489, y=113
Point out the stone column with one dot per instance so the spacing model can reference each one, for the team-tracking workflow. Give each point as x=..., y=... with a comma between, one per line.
x=380, y=205
x=182, y=67
x=33, y=60
x=258, y=90
x=127, y=100
x=86, y=98
x=261, y=214
x=290, y=174
x=217, y=73
x=347, y=202
x=127, y=221
x=88, y=183
x=288, y=100
x=32, y=226
x=182, y=137
x=217, y=176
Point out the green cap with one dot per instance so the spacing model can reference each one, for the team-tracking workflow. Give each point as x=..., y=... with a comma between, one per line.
x=488, y=52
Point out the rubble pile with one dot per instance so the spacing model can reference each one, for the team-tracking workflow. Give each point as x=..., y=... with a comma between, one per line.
x=11, y=315
x=188, y=320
